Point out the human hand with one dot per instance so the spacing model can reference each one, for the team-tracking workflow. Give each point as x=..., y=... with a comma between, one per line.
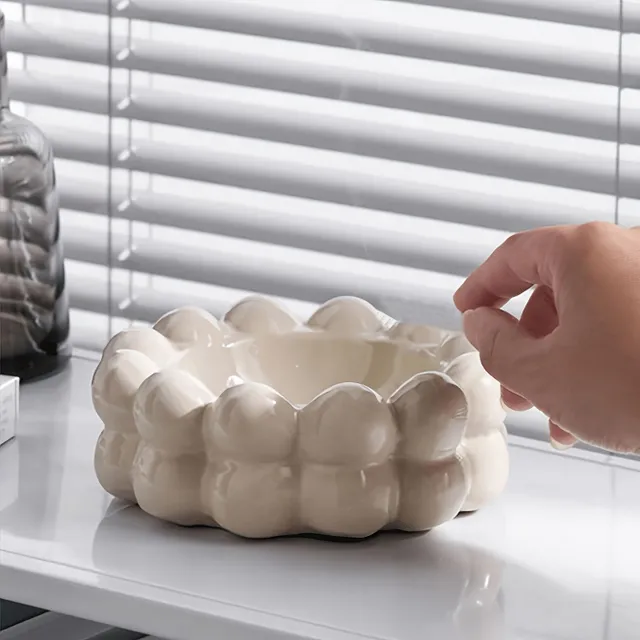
x=575, y=352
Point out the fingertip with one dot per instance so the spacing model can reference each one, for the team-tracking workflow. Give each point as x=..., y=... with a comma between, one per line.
x=481, y=324
x=512, y=401
x=458, y=298
x=559, y=446
x=471, y=295
x=470, y=325
x=560, y=439
x=468, y=314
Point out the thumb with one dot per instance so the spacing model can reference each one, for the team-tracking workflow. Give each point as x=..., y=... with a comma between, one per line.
x=506, y=350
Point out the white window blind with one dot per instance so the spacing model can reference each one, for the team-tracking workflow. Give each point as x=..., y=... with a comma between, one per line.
x=312, y=148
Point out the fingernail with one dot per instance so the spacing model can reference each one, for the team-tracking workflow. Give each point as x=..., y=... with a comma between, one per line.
x=560, y=446
x=466, y=316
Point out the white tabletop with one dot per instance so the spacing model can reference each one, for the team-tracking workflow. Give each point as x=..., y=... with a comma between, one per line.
x=558, y=557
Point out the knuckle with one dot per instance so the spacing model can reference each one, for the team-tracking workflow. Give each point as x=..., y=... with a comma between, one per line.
x=572, y=244
x=582, y=248
x=592, y=234
x=513, y=240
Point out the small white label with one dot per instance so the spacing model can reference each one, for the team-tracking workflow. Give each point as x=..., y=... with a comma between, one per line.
x=8, y=408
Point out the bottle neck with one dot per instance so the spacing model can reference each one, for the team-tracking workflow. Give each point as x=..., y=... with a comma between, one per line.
x=4, y=88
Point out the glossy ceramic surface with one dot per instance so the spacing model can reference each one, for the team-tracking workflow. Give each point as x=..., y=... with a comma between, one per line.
x=556, y=557
x=345, y=425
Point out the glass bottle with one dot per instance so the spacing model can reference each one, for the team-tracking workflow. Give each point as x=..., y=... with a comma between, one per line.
x=34, y=308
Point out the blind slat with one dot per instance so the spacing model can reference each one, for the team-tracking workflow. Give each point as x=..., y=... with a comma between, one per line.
x=91, y=294
x=423, y=197
x=280, y=71
x=598, y=14
x=324, y=126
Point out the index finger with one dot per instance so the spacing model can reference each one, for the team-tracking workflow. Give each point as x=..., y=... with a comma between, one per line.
x=523, y=260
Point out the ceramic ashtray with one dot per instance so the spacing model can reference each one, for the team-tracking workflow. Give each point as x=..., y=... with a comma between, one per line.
x=345, y=425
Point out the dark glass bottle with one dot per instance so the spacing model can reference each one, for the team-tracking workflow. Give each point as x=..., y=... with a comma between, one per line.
x=34, y=308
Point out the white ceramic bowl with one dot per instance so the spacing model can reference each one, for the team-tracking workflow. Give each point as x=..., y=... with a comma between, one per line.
x=345, y=425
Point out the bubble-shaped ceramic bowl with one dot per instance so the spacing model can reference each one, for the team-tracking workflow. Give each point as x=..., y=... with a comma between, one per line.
x=345, y=425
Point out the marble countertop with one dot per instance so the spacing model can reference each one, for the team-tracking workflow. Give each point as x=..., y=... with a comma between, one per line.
x=557, y=557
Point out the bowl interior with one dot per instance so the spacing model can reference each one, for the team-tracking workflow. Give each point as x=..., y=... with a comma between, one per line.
x=301, y=366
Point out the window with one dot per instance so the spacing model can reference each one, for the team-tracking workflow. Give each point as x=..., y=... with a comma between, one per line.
x=210, y=148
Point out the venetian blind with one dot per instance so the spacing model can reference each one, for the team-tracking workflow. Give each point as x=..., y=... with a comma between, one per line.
x=312, y=148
